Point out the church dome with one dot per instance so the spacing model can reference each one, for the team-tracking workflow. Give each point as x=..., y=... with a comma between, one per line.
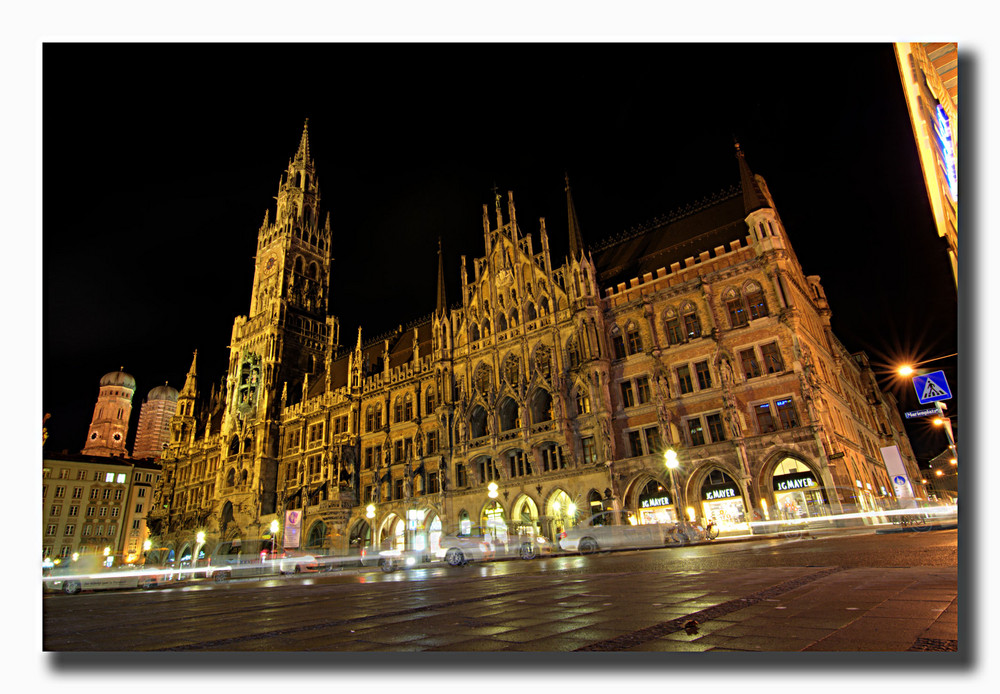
x=164, y=392
x=118, y=378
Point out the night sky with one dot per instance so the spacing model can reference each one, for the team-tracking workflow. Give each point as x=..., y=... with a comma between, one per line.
x=159, y=161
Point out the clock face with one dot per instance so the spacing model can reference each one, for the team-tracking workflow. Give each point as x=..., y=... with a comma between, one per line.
x=270, y=264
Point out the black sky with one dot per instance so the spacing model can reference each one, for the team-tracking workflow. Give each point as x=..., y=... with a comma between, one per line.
x=159, y=161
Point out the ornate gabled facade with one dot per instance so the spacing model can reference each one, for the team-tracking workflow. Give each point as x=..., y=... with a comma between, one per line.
x=562, y=382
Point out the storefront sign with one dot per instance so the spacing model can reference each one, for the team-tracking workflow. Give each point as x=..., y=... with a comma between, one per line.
x=799, y=480
x=654, y=501
x=713, y=493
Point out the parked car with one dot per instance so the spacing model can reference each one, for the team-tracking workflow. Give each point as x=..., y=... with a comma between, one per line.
x=90, y=573
x=600, y=532
x=483, y=544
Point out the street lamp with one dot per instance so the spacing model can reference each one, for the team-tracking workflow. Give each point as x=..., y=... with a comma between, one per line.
x=670, y=457
x=274, y=535
x=907, y=369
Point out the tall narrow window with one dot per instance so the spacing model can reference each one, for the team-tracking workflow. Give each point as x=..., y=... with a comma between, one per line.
x=634, y=340
x=628, y=399
x=786, y=413
x=653, y=440
x=755, y=302
x=736, y=310
x=704, y=375
x=642, y=389
x=618, y=343
x=635, y=443
x=772, y=358
x=692, y=324
x=589, y=450
x=765, y=421
x=684, y=379
x=673, y=327
x=695, y=431
x=715, y=428
x=582, y=400
x=748, y=360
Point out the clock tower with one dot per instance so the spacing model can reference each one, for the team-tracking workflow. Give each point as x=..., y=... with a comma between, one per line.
x=279, y=343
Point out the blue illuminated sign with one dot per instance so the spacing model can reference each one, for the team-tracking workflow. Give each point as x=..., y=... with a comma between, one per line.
x=943, y=129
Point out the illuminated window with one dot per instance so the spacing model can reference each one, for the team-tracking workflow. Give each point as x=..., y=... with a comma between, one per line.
x=736, y=310
x=589, y=450
x=120, y=478
x=109, y=477
x=582, y=400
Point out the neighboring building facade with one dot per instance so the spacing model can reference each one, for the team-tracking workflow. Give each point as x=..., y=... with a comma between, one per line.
x=562, y=384
x=153, y=430
x=87, y=505
x=929, y=72
x=109, y=425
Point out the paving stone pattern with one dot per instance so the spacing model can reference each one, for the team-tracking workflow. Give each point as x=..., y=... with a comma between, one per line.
x=774, y=609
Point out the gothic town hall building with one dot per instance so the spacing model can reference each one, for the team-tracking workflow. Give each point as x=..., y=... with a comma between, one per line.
x=562, y=384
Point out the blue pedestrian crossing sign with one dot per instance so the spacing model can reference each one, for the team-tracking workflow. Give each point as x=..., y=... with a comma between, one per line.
x=931, y=387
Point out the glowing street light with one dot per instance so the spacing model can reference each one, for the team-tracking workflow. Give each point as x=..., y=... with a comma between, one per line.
x=907, y=369
x=274, y=536
x=370, y=511
x=492, y=490
x=670, y=458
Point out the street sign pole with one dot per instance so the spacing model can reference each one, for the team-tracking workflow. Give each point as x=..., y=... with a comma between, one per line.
x=946, y=423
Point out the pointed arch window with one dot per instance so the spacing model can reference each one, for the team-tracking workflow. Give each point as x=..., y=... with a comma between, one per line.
x=618, y=342
x=378, y=416
x=672, y=325
x=407, y=407
x=298, y=263
x=582, y=399
x=234, y=445
x=735, y=309
x=475, y=332
x=429, y=403
x=398, y=409
x=756, y=304
x=231, y=477
x=572, y=353
x=370, y=418
x=501, y=322
x=692, y=324
x=530, y=311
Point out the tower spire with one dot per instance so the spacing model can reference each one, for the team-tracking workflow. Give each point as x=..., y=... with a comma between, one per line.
x=442, y=304
x=753, y=199
x=575, y=238
x=303, y=152
x=190, y=388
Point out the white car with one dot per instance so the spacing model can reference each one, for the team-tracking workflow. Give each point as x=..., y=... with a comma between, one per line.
x=599, y=532
x=88, y=573
x=482, y=544
x=294, y=562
